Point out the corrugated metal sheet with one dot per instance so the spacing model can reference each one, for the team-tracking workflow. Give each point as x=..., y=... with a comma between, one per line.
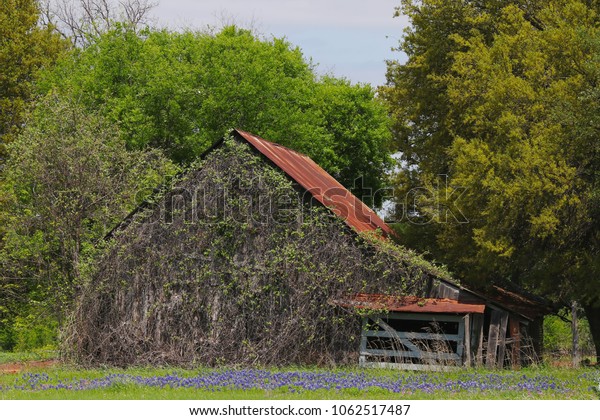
x=320, y=185
x=378, y=302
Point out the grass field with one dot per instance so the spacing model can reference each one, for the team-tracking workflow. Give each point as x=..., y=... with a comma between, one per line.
x=24, y=357
x=68, y=382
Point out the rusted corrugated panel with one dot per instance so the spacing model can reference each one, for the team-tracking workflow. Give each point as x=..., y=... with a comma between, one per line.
x=408, y=304
x=320, y=185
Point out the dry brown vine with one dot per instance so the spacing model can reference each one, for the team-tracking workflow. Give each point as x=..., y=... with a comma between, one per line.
x=233, y=266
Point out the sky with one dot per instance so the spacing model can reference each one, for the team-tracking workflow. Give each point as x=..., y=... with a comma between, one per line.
x=346, y=38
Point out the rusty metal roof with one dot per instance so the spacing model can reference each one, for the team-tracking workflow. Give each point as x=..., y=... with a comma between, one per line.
x=529, y=306
x=378, y=302
x=320, y=185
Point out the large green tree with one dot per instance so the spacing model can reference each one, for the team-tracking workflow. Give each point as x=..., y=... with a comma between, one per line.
x=68, y=180
x=501, y=98
x=25, y=48
x=181, y=91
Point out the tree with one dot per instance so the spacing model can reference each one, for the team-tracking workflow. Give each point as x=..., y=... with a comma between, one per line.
x=516, y=132
x=181, y=91
x=68, y=181
x=25, y=48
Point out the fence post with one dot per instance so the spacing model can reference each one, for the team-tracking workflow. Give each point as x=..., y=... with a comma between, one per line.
x=575, y=334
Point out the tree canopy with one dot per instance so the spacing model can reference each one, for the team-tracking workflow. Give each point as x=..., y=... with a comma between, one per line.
x=181, y=91
x=25, y=48
x=501, y=97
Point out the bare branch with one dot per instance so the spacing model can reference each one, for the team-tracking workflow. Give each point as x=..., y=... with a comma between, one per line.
x=136, y=11
x=83, y=20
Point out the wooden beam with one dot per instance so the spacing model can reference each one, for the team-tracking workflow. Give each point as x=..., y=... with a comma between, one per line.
x=411, y=366
x=424, y=355
x=413, y=335
x=467, y=342
x=460, y=345
x=515, y=335
x=502, y=339
x=477, y=339
x=362, y=359
x=492, y=345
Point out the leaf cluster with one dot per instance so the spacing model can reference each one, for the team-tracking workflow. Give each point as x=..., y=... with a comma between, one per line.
x=25, y=49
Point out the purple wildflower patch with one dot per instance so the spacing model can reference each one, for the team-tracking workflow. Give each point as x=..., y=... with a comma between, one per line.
x=301, y=381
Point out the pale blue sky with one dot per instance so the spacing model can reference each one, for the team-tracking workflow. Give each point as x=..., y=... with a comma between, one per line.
x=349, y=38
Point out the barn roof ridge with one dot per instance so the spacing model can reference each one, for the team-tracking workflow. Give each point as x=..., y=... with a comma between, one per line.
x=320, y=184
x=344, y=206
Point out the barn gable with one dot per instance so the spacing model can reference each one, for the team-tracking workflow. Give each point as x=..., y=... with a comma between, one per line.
x=233, y=265
x=257, y=255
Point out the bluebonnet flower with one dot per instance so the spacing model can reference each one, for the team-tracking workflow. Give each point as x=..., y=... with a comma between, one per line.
x=301, y=381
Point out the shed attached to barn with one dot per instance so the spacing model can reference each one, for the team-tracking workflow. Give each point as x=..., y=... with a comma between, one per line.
x=449, y=326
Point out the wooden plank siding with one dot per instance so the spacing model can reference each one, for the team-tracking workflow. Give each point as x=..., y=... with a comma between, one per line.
x=502, y=340
x=492, y=344
x=444, y=290
x=477, y=339
x=496, y=345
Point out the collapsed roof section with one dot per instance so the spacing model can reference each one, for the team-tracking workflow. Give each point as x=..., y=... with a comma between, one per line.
x=412, y=304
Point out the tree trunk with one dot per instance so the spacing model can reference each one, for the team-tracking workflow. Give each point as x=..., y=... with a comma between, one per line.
x=592, y=312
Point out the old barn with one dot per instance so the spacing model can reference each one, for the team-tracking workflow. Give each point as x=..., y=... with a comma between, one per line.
x=257, y=255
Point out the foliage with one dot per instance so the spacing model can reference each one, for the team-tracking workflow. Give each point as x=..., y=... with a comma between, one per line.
x=231, y=266
x=33, y=333
x=25, y=48
x=360, y=136
x=503, y=104
x=68, y=180
x=180, y=91
x=558, y=338
x=107, y=107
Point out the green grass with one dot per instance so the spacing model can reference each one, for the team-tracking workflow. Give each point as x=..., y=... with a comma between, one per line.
x=36, y=355
x=569, y=384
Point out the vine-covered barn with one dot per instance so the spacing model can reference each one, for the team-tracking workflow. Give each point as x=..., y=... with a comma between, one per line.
x=257, y=255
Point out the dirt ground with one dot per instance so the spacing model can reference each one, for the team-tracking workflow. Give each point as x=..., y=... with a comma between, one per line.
x=12, y=368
